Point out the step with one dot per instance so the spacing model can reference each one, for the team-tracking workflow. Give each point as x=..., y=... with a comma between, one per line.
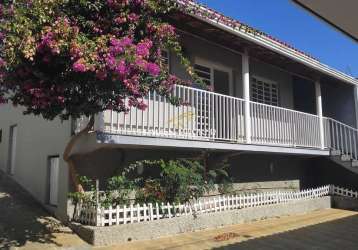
x=346, y=158
x=335, y=152
x=354, y=163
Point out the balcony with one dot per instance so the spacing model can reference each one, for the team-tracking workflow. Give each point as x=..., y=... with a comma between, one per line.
x=215, y=121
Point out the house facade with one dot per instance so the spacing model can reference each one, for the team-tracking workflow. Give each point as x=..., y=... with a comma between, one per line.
x=278, y=115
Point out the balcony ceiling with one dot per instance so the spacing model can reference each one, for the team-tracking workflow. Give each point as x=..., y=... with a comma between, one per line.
x=211, y=33
x=340, y=14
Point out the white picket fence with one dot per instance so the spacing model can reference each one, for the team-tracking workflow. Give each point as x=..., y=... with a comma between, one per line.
x=343, y=192
x=101, y=216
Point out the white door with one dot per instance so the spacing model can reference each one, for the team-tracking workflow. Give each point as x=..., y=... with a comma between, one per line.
x=12, y=149
x=54, y=174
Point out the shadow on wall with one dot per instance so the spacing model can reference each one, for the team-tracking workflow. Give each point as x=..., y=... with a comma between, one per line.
x=270, y=167
x=337, y=234
x=327, y=172
x=107, y=162
x=22, y=220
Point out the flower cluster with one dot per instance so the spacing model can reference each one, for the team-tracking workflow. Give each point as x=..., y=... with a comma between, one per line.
x=76, y=58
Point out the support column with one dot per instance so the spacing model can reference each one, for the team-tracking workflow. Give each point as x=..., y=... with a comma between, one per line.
x=246, y=94
x=356, y=103
x=320, y=111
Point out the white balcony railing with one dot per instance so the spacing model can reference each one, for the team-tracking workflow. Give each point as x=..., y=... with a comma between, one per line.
x=339, y=136
x=211, y=116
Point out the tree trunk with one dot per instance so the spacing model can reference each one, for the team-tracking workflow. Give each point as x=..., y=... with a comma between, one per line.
x=69, y=160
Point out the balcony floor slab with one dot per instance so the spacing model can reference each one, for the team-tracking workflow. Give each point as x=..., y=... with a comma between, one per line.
x=158, y=142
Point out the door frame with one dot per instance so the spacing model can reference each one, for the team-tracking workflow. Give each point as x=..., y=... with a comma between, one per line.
x=13, y=135
x=48, y=184
x=216, y=66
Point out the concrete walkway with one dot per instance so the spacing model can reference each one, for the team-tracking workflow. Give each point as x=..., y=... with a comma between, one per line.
x=328, y=229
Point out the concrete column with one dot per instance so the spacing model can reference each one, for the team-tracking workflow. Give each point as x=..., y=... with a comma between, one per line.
x=246, y=94
x=356, y=103
x=319, y=111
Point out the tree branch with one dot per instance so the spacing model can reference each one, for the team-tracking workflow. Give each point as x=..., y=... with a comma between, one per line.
x=68, y=149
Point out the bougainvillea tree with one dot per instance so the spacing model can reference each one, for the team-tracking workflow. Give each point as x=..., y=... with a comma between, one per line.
x=71, y=58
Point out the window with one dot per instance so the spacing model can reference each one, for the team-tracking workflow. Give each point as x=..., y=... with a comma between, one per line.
x=53, y=179
x=264, y=91
x=165, y=60
x=204, y=73
x=12, y=149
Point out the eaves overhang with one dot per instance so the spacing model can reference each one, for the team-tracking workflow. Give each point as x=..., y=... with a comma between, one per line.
x=265, y=41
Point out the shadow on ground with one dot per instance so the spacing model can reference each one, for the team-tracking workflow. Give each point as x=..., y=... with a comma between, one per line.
x=21, y=218
x=341, y=234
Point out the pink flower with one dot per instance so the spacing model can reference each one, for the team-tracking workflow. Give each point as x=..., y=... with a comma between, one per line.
x=61, y=99
x=2, y=36
x=133, y=17
x=2, y=100
x=78, y=66
x=143, y=48
x=142, y=105
x=101, y=75
x=2, y=62
x=111, y=62
x=153, y=69
x=126, y=41
x=142, y=64
x=120, y=20
x=122, y=68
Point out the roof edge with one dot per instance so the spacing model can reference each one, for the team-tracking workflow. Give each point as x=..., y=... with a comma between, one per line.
x=269, y=43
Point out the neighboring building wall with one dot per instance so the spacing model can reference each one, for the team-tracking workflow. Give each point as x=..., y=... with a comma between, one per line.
x=37, y=139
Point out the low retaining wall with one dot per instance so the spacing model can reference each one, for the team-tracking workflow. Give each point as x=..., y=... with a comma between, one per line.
x=342, y=202
x=154, y=229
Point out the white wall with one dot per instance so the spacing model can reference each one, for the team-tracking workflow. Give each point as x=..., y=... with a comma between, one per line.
x=36, y=140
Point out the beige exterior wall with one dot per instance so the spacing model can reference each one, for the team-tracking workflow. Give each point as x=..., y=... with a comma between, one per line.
x=37, y=139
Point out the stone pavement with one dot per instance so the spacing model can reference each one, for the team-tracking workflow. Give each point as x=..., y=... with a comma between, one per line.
x=328, y=229
x=24, y=225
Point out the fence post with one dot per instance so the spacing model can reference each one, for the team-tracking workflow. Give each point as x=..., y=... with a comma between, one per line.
x=150, y=211
x=124, y=214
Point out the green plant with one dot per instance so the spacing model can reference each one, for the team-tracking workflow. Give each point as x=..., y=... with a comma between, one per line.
x=118, y=191
x=169, y=180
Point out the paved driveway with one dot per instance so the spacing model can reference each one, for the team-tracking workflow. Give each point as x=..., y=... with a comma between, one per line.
x=25, y=225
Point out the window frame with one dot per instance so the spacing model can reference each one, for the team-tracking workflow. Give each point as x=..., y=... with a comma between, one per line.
x=265, y=81
x=162, y=59
x=48, y=183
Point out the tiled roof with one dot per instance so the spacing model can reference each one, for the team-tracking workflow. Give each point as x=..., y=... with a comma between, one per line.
x=200, y=10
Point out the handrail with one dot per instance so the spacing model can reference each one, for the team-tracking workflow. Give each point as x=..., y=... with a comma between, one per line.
x=343, y=124
x=285, y=109
x=341, y=137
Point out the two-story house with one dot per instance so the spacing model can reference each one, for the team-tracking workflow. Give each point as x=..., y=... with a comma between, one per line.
x=277, y=113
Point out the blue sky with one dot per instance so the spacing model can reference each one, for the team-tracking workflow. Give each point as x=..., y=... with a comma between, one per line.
x=288, y=22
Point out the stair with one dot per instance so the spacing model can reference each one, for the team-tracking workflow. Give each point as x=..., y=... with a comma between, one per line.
x=344, y=160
